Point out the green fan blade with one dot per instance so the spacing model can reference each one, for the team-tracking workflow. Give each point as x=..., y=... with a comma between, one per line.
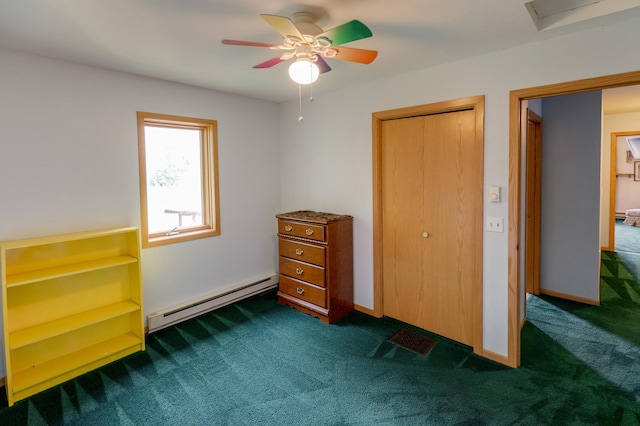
x=345, y=33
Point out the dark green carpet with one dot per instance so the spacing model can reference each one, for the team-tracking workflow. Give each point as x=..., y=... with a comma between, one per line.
x=259, y=363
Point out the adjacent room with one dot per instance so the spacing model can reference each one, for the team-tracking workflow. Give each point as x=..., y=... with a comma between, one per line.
x=193, y=233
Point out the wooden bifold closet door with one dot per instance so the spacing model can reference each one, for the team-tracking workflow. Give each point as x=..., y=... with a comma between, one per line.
x=430, y=206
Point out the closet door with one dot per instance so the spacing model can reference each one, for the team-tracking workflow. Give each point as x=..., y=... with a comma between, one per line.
x=430, y=203
x=403, y=244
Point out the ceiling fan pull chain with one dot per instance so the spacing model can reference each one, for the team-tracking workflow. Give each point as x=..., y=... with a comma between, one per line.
x=300, y=117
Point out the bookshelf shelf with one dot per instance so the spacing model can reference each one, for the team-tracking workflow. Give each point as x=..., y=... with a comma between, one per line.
x=71, y=303
x=66, y=270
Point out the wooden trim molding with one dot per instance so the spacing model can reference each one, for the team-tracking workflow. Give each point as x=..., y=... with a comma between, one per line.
x=533, y=201
x=572, y=297
x=513, y=230
x=515, y=105
x=613, y=152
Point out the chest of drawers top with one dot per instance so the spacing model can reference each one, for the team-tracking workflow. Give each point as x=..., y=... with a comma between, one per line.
x=307, y=224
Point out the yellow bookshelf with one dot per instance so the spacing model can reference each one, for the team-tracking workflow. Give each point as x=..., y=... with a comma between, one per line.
x=71, y=303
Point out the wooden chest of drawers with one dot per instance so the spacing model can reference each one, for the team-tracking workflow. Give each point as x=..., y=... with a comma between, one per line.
x=316, y=263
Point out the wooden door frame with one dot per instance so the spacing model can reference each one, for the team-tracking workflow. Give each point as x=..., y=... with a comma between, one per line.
x=613, y=185
x=476, y=104
x=532, y=206
x=516, y=97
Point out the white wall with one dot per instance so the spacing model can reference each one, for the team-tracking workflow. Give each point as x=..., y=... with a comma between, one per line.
x=570, y=216
x=336, y=133
x=69, y=162
x=69, y=159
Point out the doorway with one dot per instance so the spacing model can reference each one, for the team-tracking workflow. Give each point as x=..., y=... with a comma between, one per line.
x=516, y=288
x=428, y=189
x=624, y=232
x=533, y=205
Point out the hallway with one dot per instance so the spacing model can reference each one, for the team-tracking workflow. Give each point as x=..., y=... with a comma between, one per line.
x=627, y=238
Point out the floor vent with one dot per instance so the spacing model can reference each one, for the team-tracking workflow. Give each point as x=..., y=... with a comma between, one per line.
x=193, y=308
x=413, y=341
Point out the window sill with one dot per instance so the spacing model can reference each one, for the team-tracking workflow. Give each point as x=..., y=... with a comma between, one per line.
x=178, y=238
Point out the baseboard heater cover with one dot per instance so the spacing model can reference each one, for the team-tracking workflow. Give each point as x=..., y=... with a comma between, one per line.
x=165, y=318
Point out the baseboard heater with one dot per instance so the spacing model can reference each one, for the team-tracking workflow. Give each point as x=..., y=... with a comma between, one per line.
x=193, y=308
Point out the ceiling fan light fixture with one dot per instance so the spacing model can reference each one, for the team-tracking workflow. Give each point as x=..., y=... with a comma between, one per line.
x=303, y=71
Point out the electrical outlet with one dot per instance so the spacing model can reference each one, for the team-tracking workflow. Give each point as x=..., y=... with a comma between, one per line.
x=495, y=224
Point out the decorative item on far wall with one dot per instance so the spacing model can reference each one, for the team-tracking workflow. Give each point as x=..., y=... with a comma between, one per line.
x=634, y=145
x=636, y=171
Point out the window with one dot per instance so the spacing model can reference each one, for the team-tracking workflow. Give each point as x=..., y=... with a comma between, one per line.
x=178, y=178
x=634, y=145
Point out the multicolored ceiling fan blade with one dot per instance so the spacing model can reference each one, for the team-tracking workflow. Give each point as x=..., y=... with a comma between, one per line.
x=284, y=26
x=345, y=33
x=268, y=64
x=245, y=43
x=351, y=54
x=326, y=45
x=323, y=66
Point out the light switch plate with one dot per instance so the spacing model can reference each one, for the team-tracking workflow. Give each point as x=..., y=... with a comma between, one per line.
x=495, y=224
x=494, y=194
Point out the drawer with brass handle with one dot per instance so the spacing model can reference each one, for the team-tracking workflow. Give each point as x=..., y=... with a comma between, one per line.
x=302, y=230
x=301, y=251
x=304, y=291
x=303, y=271
x=316, y=263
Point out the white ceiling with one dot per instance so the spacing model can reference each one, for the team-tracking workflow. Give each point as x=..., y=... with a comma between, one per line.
x=179, y=40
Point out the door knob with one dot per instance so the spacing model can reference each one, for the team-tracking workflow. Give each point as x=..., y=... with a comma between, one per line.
x=425, y=234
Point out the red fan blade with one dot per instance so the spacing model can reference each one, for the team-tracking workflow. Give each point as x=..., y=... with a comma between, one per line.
x=362, y=56
x=323, y=66
x=284, y=26
x=268, y=64
x=246, y=43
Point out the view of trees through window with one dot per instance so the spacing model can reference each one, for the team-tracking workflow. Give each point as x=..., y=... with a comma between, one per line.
x=174, y=178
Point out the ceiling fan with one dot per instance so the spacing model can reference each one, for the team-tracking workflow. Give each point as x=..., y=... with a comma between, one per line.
x=309, y=44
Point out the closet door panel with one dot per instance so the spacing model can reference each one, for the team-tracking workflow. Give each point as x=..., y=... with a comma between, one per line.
x=449, y=209
x=403, y=152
